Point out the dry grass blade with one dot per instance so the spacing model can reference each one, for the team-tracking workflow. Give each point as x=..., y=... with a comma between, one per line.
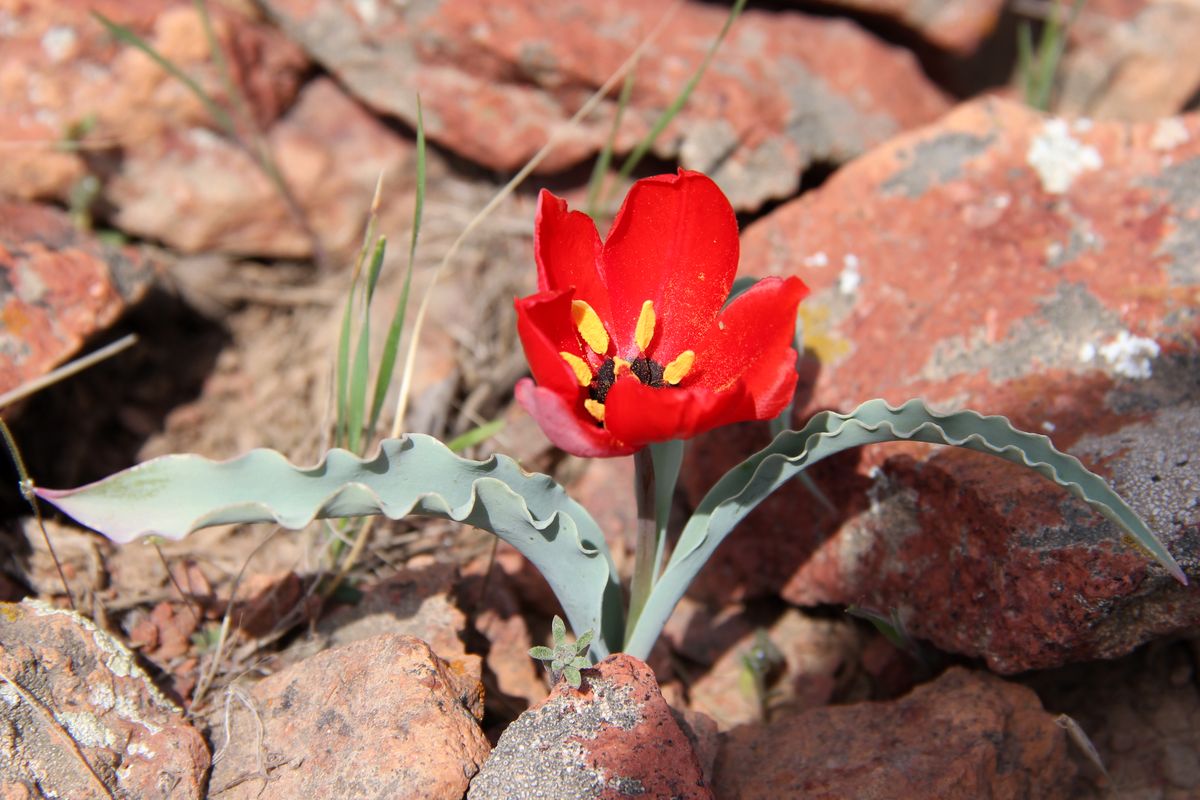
x=664, y=119
x=66, y=371
x=26, y=486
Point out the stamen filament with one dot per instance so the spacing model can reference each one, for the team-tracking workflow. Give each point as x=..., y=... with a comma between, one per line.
x=680, y=367
x=644, y=333
x=590, y=327
x=583, y=373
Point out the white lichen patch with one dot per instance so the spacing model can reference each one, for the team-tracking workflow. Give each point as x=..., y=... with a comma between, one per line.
x=58, y=43
x=117, y=657
x=817, y=260
x=1058, y=158
x=139, y=750
x=1169, y=133
x=1127, y=355
x=86, y=730
x=101, y=696
x=850, y=279
x=130, y=710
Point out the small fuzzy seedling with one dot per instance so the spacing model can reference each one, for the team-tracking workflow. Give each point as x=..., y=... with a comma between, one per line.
x=565, y=658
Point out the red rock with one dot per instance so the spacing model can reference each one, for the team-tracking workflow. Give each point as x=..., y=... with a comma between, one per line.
x=58, y=286
x=61, y=70
x=965, y=735
x=83, y=719
x=1025, y=261
x=263, y=600
x=614, y=737
x=1131, y=59
x=199, y=192
x=956, y=25
x=382, y=717
x=173, y=629
x=497, y=80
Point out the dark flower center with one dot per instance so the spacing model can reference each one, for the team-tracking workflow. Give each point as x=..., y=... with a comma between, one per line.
x=598, y=390
x=648, y=371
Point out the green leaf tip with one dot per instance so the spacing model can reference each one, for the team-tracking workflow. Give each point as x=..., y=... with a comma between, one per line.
x=791, y=452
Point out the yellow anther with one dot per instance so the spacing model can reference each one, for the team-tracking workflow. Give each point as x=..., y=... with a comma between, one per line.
x=681, y=366
x=618, y=365
x=590, y=327
x=582, y=371
x=645, y=326
x=595, y=408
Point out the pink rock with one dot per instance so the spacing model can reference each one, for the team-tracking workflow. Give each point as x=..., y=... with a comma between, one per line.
x=1018, y=265
x=965, y=735
x=614, y=737
x=61, y=73
x=82, y=718
x=1131, y=59
x=956, y=25
x=382, y=717
x=199, y=192
x=498, y=80
x=58, y=286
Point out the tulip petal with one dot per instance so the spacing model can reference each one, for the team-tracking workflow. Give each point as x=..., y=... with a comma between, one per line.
x=566, y=426
x=567, y=249
x=641, y=414
x=674, y=242
x=544, y=325
x=751, y=344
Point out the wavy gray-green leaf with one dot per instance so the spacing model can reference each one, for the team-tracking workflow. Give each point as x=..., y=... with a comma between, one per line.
x=174, y=495
x=827, y=433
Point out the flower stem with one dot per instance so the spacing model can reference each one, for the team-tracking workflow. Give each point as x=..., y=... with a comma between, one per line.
x=647, y=536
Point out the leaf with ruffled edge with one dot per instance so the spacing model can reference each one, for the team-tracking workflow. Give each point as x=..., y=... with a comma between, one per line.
x=827, y=433
x=174, y=495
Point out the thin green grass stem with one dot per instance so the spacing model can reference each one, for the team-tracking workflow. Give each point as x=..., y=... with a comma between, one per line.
x=681, y=99
x=391, y=346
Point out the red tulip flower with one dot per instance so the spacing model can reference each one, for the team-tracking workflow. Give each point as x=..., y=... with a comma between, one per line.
x=627, y=339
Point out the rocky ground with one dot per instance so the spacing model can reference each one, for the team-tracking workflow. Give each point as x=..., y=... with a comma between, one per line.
x=960, y=246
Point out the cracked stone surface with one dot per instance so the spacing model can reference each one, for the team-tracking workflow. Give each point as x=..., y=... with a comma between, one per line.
x=79, y=718
x=58, y=286
x=965, y=735
x=1131, y=60
x=614, y=737
x=380, y=717
x=496, y=80
x=956, y=25
x=63, y=78
x=986, y=274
